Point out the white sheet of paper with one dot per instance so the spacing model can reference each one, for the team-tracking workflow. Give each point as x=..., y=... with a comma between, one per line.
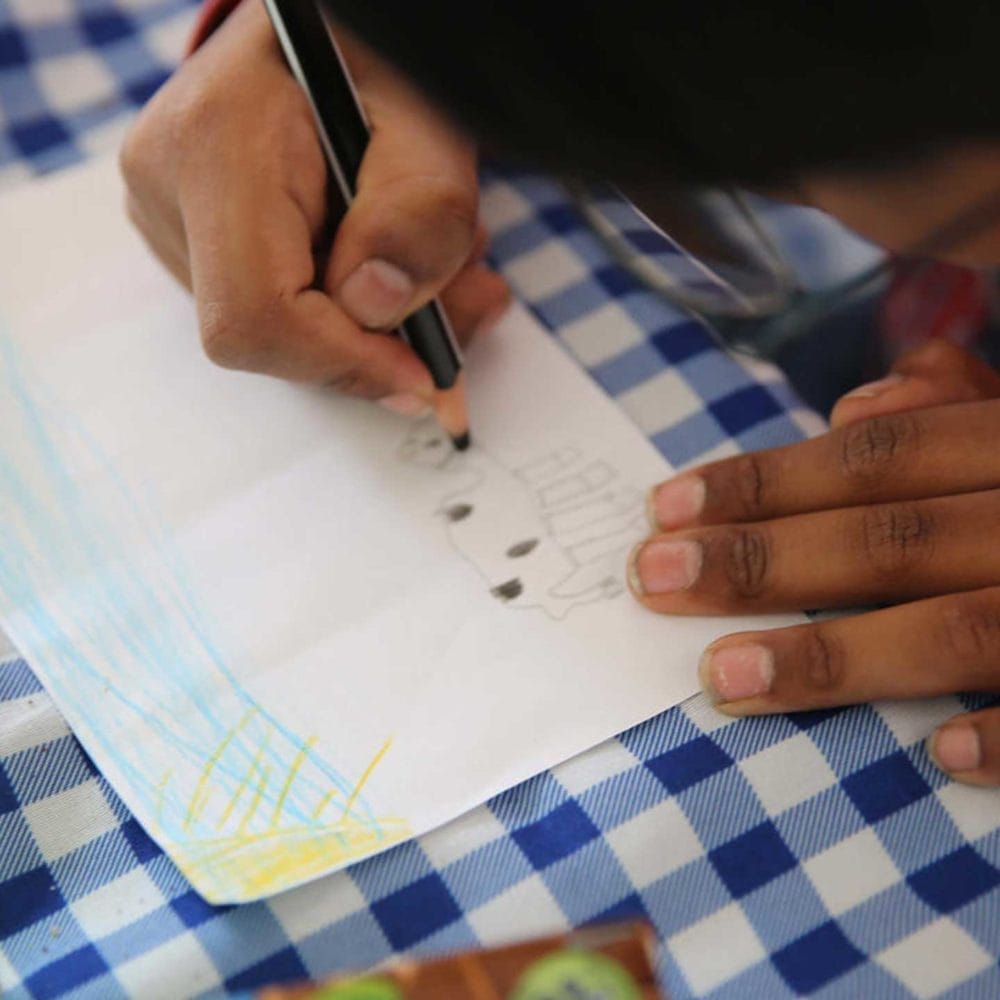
x=290, y=628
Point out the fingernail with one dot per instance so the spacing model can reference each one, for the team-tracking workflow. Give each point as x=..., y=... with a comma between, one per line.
x=872, y=389
x=663, y=567
x=956, y=748
x=677, y=503
x=406, y=404
x=376, y=293
x=737, y=672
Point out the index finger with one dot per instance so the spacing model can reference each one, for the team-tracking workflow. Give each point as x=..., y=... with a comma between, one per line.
x=251, y=234
x=899, y=456
x=413, y=222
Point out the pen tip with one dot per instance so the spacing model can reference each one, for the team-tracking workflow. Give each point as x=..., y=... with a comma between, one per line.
x=462, y=442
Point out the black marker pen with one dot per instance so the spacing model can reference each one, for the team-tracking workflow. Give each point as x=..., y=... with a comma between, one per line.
x=317, y=64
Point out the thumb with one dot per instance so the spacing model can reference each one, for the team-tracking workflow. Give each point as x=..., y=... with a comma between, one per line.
x=413, y=223
x=934, y=374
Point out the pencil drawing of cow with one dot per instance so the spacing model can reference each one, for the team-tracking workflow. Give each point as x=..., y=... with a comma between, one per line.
x=551, y=533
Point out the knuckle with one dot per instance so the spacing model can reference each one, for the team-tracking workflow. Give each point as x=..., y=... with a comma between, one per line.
x=137, y=162
x=746, y=561
x=873, y=449
x=748, y=486
x=176, y=123
x=188, y=110
x=455, y=201
x=970, y=627
x=227, y=341
x=186, y=126
x=351, y=382
x=440, y=204
x=822, y=662
x=896, y=538
x=129, y=156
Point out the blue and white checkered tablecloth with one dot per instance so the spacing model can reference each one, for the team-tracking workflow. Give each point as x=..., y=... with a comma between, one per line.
x=817, y=853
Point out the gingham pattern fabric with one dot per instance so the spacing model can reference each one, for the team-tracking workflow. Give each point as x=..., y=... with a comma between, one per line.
x=809, y=854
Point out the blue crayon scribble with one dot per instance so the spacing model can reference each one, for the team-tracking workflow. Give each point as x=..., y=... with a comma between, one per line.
x=96, y=595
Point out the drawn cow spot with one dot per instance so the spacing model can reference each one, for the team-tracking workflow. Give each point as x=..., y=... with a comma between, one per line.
x=458, y=511
x=509, y=590
x=522, y=548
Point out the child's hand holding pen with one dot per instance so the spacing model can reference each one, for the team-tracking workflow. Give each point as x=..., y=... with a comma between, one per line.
x=228, y=184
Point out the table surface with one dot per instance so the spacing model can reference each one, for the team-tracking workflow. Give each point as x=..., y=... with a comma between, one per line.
x=813, y=853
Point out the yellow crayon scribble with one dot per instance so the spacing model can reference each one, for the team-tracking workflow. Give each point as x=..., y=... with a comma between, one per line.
x=246, y=862
x=200, y=797
x=323, y=803
x=243, y=867
x=293, y=770
x=265, y=773
x=231, y=805
x=252, y=767
x=366, y=774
